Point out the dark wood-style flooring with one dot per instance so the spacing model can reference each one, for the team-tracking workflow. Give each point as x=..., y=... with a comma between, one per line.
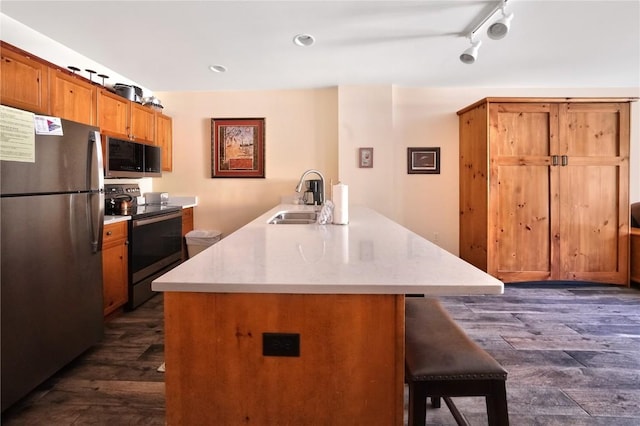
x=572, y=352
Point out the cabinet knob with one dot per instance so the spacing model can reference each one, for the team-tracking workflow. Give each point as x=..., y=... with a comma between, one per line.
x=109, y=232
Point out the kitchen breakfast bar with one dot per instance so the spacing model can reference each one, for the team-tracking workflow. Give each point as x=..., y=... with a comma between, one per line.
x=300, y=324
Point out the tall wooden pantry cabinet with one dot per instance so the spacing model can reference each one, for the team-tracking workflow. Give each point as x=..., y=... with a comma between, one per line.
x=544, y=188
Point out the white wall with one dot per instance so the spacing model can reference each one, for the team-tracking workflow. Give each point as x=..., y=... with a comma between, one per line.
x=300, y=134
x=392, y=119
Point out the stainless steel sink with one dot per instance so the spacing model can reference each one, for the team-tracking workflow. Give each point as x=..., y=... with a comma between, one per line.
x=294, y=218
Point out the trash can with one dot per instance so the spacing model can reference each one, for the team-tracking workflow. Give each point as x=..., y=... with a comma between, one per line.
x=198, y=240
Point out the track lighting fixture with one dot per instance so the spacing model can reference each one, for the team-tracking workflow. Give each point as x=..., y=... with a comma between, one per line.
x=500, y=28
x=470, y=55
x=495, y=31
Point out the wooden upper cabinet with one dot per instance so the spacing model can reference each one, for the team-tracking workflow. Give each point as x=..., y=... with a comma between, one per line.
x=113, y=113
x=142, y=123
x=72, y=98
x=123, y=118
x=25, y=82
x=164, y=139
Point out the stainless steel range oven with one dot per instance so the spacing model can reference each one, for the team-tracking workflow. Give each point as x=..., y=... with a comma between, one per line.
x=155, y=239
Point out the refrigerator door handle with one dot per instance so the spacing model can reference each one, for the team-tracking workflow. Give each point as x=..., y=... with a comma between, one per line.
x=96, y=199
x=96, y=207
x=95, y=169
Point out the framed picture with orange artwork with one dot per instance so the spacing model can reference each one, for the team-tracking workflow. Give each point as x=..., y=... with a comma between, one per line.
x=237, y=148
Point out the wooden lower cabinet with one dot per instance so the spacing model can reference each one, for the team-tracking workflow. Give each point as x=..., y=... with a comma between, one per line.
x=350, y=368
x=114, y=266
x=187, y=226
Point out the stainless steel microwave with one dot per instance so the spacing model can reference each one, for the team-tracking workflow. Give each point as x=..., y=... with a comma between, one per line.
x=128, y=159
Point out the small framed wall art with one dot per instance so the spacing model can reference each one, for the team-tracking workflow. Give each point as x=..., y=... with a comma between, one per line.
x=423, y=160
x=237, y=148
x=365, y=157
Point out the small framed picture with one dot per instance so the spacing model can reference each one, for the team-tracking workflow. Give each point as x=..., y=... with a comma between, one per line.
x=365, y=157
x=423, y=160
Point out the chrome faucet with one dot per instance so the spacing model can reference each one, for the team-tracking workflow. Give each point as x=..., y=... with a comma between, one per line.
x=299, y=187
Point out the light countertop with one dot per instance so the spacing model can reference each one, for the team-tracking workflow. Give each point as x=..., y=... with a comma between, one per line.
x=109, y=219
x=370, y=255
x=183, y=201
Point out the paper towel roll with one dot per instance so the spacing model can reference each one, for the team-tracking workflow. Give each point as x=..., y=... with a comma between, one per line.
x=341, y=204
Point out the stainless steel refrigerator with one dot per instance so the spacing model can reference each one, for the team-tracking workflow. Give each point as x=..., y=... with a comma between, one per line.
x=52, y=213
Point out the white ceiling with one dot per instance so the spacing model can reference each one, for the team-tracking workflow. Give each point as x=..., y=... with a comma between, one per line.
x=169, y=45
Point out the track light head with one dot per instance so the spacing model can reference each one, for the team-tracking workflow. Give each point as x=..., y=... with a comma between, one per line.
x=470, y=55
x=500, y=28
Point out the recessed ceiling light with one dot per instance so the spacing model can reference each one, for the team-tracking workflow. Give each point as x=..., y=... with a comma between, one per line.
x=304, y=40
x=218, y=68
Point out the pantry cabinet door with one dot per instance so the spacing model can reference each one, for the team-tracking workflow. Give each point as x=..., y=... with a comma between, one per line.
x=523, y=187
x=595, y=221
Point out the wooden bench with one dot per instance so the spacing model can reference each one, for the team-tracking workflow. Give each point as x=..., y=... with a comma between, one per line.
x=441, y=361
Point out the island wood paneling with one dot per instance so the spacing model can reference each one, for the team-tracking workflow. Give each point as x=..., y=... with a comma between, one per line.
x=350, y=368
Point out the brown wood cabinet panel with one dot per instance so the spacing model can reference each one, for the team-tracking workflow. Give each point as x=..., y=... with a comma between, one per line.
x=72, y=98
x=594, y=207
x=114, y=266
x=522, y=183
x=164, y=139
x=25, y=82
x=350, y=368
x=474, y=191
x=187, y=226
x=113, y=114
x=558, y=195
x=142, y=123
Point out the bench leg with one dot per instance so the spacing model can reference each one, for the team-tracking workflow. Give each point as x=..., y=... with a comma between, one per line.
x=417, y=405
x=497, y=412
x=435, y=402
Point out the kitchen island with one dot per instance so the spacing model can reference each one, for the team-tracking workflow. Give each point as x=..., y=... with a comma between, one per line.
x=300, y=324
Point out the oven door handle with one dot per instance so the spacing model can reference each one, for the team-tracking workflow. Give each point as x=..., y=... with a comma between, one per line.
x=154, y=219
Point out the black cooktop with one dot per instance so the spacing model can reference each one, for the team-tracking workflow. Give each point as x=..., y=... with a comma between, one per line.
x=130, y=191
x=147, y=210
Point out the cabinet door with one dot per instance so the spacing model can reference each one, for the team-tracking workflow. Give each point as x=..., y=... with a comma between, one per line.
x=72, y=98
x=594, y=224
x=142, y=123
x=114, y=267
x=25, y=82
x=523, y=185
x=164, y=139
x=113, y=114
